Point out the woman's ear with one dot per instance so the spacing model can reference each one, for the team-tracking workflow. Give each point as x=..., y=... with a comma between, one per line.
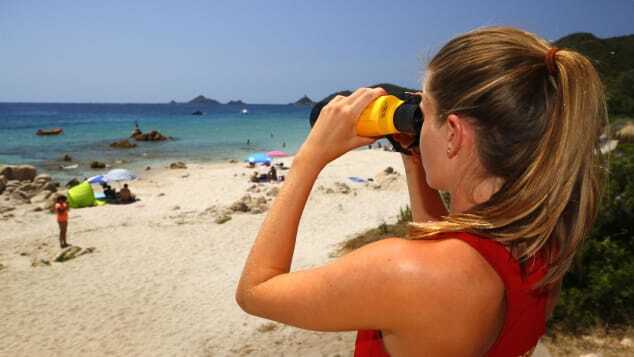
x=455, y=134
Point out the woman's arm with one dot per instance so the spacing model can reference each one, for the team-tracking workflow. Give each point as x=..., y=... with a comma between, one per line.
x=426, y=203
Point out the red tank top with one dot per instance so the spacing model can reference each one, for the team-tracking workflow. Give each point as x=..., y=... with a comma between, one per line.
x=524, y=322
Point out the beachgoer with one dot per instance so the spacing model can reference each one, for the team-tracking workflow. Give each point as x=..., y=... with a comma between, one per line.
x=272, y=174
x=248, y=142
x=108, y=192
x=255, y=177
x=503, y=111
x=284, y=144
x=125, y=196
x=61, y=209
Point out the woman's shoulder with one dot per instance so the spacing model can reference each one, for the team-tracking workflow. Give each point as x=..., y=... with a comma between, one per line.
x=448, y=265
x=442, y=285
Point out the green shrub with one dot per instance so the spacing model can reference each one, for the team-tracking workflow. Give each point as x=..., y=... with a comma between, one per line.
x=599, y=289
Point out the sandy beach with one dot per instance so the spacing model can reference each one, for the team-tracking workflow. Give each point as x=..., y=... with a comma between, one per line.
x=162, y=278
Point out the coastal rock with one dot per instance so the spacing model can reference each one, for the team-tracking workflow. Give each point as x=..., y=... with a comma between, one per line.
x=3, y=183
x=18, y=172
x=12, y=185
x=341, y=187
x=49, y=204
x=41, y=197
x=50, y=186
x=6, y=171
x=37, y=262
x=97, y=165
x=239, y=206
x=72, y=182
x=222, y=219
x=123, y=144
x=150, y=136
x=67, y=158
x=5, y=209
x=235, y=102
x=42, y=179
x=178, y=165
x=20, y=196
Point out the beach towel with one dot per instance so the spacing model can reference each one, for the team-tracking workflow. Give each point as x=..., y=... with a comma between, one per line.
x=357, y=179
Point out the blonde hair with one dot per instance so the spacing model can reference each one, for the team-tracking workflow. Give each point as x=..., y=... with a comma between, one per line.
x=536, y=129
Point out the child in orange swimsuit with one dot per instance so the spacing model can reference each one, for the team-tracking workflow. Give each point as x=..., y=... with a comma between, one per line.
x=61, y=208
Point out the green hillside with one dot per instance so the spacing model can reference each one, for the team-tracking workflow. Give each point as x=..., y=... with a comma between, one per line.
x=614, y=59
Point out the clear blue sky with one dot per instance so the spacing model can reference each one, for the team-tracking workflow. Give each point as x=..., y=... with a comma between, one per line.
x=258, y=51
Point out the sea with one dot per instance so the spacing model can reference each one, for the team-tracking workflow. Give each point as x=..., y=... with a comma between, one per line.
x=223, y=132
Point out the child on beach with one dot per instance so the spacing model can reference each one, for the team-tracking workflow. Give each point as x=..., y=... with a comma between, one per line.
x=502, y=110
x=61, y=209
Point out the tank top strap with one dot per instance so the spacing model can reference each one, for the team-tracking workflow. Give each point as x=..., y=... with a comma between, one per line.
x=524, y=321
x=503, y=262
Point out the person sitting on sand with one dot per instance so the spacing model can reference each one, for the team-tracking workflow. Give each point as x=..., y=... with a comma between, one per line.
x=503, y=111
x=254, y=177
x=272, y=174
x=108, y=192
x=125, y=196
x=61, y=209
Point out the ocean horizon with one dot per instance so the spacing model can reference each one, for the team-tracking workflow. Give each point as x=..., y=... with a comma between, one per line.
x=223, y=132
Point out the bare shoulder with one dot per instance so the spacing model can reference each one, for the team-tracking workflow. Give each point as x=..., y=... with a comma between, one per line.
x=446, y=291
x=451, y=261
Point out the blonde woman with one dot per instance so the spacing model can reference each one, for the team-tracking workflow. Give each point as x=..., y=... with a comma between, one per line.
x=511, y=126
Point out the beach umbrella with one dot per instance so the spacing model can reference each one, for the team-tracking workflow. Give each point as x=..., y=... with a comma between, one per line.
x=277, y=153
x=95, y=180
x=258, y=158
x=119, y=175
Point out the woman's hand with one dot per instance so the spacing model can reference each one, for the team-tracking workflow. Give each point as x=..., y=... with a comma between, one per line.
x=406, y=140
x=334, y=132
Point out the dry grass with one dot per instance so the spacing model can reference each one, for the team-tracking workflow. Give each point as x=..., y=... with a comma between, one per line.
x=598, y=341
x=372, y=235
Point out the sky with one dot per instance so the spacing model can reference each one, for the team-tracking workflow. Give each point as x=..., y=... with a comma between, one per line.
x=154, y=51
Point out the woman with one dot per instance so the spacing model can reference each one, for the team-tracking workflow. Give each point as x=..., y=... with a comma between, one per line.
x=511, y=130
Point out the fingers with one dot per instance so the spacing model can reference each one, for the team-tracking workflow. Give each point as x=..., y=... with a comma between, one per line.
x=362, y=97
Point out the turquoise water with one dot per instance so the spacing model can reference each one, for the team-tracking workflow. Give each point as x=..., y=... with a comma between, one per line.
x=218, y=135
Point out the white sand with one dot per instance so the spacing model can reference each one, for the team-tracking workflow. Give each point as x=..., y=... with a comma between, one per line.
x=161, y=281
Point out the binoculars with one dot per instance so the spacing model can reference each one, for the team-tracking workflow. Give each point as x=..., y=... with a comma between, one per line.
x=397, y=112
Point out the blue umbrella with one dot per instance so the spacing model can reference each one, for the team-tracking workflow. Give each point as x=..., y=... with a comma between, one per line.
x=99, y=179
x=119, y=175
x=259, y=157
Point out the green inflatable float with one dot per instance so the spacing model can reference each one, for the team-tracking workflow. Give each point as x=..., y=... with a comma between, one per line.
x=81, y=196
